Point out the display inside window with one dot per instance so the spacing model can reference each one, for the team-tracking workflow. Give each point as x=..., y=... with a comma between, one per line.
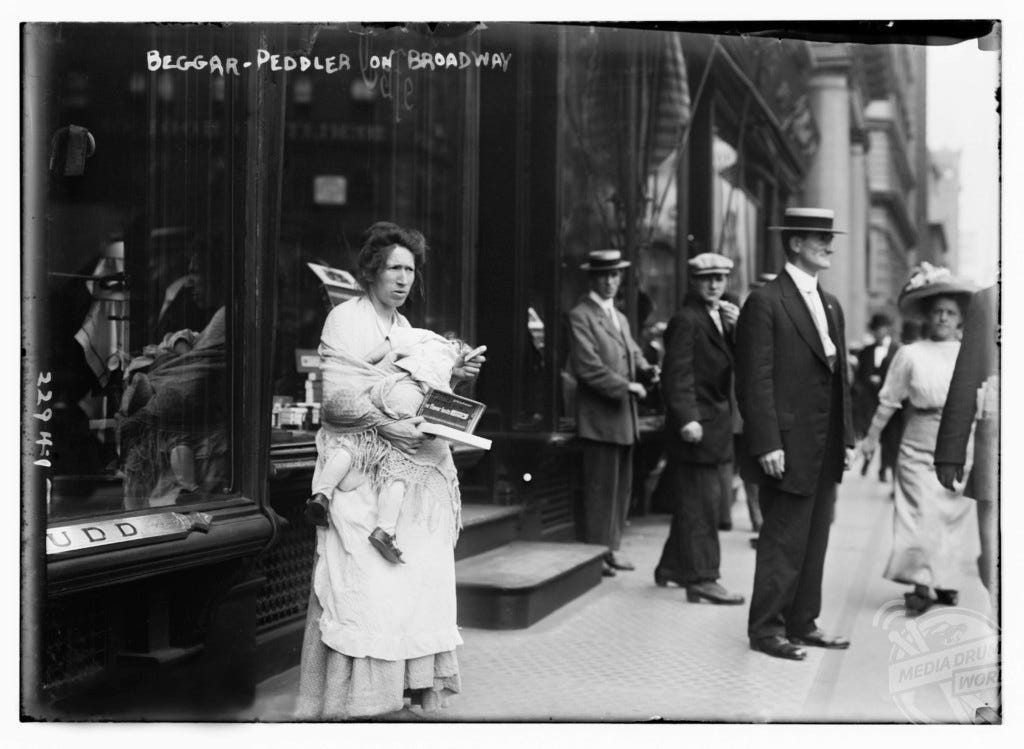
x=137, y=271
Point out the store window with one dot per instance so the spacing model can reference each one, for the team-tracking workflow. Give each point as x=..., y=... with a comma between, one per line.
x=736, y=213
x=140, y=252
x=381, y=140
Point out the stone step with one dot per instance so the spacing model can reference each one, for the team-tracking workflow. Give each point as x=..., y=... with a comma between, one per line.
x=518, y=584
x=486, y=527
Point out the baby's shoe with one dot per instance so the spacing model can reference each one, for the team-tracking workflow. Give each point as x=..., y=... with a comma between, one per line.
x=384, y=542
x=316, y=510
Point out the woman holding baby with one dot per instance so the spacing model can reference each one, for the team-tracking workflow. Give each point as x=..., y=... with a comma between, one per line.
x=379, y=632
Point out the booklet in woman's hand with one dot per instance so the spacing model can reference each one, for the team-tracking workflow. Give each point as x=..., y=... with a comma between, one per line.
x=452, y=417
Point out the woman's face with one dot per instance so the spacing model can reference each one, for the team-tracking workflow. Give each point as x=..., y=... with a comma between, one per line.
x=394, y=280
x=945, y=319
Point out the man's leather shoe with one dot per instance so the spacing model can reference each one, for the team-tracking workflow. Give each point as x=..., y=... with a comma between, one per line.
x=662, y=580
x=606, y=570
x=818, y=639
x=778, y=647
x=619, y=564
x=712, y=591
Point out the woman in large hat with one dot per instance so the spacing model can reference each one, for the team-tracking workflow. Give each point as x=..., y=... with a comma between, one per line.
x=931, y=526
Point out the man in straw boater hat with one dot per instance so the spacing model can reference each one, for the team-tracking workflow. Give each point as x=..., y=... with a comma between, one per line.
x=605, y=361
x=697, y=387
x=793, y=394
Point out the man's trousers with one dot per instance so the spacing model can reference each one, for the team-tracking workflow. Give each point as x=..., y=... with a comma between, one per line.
x=607, y=490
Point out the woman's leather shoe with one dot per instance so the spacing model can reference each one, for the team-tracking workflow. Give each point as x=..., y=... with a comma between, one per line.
x=713, y=592
x=918, y=601
x=778, y=647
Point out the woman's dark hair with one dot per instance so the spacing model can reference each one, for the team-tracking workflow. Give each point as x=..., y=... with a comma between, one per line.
x=381, y=238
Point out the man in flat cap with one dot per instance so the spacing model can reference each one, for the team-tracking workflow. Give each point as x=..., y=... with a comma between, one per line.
x=697, y=387
x=793, y=392
x=605, y=361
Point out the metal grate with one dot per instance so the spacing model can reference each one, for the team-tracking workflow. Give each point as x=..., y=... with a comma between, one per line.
x=288, y=567
x=76, y=642
x=553, y=491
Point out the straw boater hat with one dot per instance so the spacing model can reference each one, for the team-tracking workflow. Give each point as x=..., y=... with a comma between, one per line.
x=808, y=219
x=928, y=281
x=710, y=264
x=762, y=279
x=602, y=260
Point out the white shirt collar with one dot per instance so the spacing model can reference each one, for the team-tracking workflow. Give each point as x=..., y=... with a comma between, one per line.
x=803, y=280
x=606, y=304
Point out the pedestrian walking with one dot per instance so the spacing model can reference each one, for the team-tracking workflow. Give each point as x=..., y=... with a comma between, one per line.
x=873, y=363
x=931, y=522
x=606, y=362
x=974, y=390
x=697, y=388
x=793, y=393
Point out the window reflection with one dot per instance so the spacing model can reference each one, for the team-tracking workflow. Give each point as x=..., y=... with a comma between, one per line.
x=736, y=213
x=137, y=255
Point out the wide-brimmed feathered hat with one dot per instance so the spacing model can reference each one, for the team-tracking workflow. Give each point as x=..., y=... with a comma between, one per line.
x=928, y=281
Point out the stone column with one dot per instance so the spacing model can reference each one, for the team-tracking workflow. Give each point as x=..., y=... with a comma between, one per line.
x=829, y=178
x=857, y=241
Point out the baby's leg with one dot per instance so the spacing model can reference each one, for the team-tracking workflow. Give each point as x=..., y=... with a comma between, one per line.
x=331, y=475
x=389, y=506
x=334, y=470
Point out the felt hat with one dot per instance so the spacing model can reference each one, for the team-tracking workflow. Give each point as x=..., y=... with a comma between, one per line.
x=808, y=220
x=599, y=261
x=710, y=264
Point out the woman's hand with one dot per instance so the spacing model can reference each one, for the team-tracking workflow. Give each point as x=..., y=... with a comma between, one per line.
x=868, y=448
x=404, y=435
x=468, y=370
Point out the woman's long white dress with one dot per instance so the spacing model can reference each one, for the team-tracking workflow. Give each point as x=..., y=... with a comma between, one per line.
x=931, y=529
x=377, y=631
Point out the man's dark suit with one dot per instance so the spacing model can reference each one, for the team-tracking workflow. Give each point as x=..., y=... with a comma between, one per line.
x=604, y=361
x=865, y=401
x=977, y=361
x=791, y=399
x=696, y=381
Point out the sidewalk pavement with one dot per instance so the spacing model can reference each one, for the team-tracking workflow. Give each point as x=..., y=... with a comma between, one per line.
x=630, y=651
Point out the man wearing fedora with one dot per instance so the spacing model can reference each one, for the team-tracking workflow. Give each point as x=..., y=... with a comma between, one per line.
x=697, y=387
x=793, y=393
x=605, y=361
